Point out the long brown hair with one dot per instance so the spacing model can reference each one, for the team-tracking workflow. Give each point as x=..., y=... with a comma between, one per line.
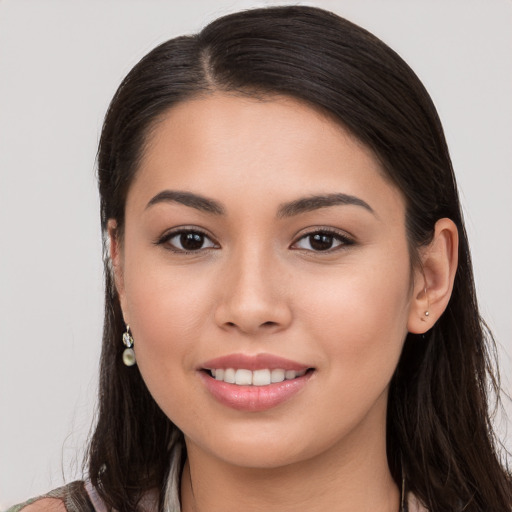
x=439, y=432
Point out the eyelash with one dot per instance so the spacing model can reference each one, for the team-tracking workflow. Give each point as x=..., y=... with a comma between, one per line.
x=167, y=237
x=343, y=240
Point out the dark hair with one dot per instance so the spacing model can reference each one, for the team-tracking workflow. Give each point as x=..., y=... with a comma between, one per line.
x=438, y=428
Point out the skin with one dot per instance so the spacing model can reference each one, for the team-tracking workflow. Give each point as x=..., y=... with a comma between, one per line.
x=257, y=286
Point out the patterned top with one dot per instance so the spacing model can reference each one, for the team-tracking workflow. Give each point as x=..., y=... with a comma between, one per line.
x=81, y=496
x=74, y=496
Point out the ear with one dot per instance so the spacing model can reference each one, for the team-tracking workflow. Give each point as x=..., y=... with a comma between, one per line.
x=433, y=282
x=116, y=259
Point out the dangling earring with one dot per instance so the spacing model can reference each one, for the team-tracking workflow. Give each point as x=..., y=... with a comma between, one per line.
x=128, y=353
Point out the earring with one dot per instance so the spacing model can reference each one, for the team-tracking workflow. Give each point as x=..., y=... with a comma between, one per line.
x=128, y=353
x=427, y=313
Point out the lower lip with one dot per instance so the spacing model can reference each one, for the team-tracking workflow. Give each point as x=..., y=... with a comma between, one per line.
x=254, y=398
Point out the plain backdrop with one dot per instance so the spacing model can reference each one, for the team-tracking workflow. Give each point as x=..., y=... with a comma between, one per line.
x=60, y=63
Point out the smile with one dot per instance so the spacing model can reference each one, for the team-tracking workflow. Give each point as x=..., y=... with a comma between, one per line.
x=263, y=377
x=253, y=383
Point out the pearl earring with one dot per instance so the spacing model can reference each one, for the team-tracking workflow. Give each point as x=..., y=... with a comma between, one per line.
x=427, y=313
x=128, y=353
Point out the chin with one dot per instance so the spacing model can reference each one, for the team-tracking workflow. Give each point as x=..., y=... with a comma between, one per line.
x=260, y=456
x=246, y=448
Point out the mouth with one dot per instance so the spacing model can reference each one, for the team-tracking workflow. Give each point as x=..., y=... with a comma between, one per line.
x=254, y=383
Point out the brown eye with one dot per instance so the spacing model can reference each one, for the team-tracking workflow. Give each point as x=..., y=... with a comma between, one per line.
x=192, y=241
x=188, y=241
x=322, y=241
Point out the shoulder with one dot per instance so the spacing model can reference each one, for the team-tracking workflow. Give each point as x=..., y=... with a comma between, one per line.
x=69, y=498
x=42, y=504
x=413, y=504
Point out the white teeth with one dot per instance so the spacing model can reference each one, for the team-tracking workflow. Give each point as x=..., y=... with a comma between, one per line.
x=243, y=377
x=229, y=376
x=290, y=374
x=277, y=375
x=261, y=378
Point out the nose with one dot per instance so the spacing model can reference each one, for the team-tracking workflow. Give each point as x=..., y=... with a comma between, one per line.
x=254, y=297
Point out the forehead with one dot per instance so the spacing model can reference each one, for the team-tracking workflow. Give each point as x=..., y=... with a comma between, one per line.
x=238, y=146
x=236, y=119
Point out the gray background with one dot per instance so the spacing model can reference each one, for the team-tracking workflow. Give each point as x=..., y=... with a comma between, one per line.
x=60, y=63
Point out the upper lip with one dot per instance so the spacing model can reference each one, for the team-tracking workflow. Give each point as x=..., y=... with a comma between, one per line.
x=253, y=362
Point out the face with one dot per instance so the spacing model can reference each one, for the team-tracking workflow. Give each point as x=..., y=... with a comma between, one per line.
x=262, y=242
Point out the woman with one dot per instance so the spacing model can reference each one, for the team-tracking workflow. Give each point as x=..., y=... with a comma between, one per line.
x=290, y=311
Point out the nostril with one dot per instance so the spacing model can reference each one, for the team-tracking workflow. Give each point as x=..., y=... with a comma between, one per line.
x=264, y=324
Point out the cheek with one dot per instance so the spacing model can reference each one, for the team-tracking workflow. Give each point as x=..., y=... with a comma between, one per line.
x=167, y=309
x=360, y=315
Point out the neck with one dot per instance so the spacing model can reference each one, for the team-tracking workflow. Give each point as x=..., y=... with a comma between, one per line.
x=354, y=476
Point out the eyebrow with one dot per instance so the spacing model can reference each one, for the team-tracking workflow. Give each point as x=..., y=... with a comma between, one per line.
x=188, y=199
x=315, y=202
x=296, y=207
